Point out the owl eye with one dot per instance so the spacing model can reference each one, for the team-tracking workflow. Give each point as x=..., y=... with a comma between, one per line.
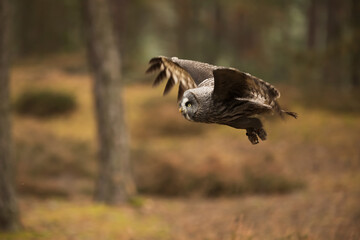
x=188, y=104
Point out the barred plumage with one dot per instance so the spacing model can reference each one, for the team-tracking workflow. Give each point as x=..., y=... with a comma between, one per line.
x=214, y=94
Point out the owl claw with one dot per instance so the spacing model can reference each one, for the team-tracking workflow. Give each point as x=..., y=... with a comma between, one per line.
x=252, y=137
x=261, y=133
x=254, y=133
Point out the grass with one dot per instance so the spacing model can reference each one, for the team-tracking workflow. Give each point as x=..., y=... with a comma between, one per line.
x=301, y=183
x=63, y=220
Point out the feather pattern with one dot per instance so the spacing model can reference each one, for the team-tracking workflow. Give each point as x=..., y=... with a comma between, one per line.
x=215, y=94
x=172, y=72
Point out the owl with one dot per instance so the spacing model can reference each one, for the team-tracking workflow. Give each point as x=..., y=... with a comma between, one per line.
x=220, y=95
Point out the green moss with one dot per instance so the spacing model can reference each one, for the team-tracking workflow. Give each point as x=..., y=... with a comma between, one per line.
x=64, y=220
x=136, y=201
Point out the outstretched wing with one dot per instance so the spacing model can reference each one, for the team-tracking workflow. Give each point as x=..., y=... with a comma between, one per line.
x=188, y=73
x=199, y=71
x=173, y=72
x=230, y=83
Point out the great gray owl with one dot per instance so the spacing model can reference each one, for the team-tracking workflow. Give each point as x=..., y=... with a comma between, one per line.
x=213, y=94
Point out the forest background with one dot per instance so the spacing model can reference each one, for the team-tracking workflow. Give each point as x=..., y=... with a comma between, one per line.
x=193, y=181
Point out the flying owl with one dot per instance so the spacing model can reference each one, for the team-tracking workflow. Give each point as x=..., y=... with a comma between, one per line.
x=222, y=95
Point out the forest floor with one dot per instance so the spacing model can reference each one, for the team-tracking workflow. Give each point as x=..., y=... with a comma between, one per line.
x=196, y=181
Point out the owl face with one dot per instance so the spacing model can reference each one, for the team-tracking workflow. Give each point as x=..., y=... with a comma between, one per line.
x=188, y=106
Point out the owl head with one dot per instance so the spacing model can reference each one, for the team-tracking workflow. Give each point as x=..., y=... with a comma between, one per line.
x=188, y=105
x=196, y=104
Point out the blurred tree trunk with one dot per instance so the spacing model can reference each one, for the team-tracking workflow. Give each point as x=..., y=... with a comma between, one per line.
x=247, y=35
x=184, y=14
x=218, y=31
x=127, y=35
x=120, y=16
x=312, y=23
x=333, y=21
x=355, y=49
x=9, y=219
x=115, y=180
x=332, y=73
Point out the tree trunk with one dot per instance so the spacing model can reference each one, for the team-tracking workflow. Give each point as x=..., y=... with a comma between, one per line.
x=312, y=23
x=333, y=61
x=115, y=180
x=9, y=219
x=355, y=49
x=184, y=38
x=218, y=31
x=120, y=15
x=334, y=9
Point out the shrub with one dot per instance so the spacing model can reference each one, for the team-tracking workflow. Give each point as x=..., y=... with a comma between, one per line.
x=269, y=183
x=44, y=103
x=161, y=177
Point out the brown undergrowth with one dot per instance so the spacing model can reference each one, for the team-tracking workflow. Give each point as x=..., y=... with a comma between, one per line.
x=197, y=181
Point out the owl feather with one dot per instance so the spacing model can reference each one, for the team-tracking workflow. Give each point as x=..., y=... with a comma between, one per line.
x=216, y=94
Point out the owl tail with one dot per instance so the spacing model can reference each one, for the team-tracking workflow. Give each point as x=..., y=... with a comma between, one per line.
x=293, y=114
x=281, y=112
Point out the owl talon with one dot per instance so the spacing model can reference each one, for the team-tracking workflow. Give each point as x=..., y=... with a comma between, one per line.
x=252, y=137
x=261, y=133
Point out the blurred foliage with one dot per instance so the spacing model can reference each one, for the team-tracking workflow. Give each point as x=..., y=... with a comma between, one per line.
x=166, y=179
x=137, y=202
x=44, y=103
x=44, y=27
x=55, y=160
x=303, y=46
x=65, y=220
x=303, y=179
x=298, y=42
x=173, y=157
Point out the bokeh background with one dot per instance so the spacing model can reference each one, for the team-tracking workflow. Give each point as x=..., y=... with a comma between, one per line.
x=195, y=181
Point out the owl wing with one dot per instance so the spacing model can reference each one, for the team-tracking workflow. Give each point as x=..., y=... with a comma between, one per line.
x=189, y=74
x=230, y=83
x=173, y=72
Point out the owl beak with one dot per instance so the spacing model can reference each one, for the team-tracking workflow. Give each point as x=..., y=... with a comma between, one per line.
x=181, y=110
